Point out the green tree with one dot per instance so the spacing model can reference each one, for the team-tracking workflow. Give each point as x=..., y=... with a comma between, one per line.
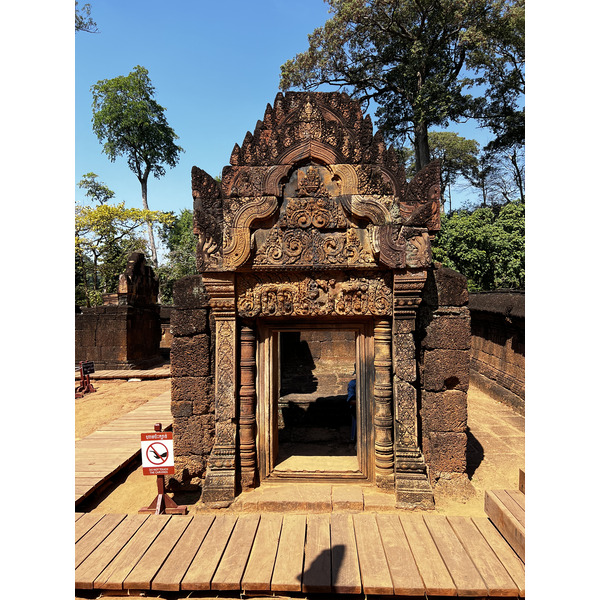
x=83, y=19
x=499, y=63
x=129, y=122
x=458, y=158
x=409, y=56
x=500, y=176
x=105, y=235
x=487, y=245
x=180, y=241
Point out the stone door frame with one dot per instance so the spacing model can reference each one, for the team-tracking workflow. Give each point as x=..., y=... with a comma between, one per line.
x=267, y=385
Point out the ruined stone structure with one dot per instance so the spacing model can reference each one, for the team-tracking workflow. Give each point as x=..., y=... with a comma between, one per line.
x=498, y=345
x=125, y=332
x=314, y=228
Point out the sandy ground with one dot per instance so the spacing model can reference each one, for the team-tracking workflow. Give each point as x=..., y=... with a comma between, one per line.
x=496, y=450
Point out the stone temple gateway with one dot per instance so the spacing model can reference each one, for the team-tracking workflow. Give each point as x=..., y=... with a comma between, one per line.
x=314, y=256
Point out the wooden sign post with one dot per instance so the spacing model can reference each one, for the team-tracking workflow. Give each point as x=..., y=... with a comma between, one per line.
x=86, y=368
x=157, y=459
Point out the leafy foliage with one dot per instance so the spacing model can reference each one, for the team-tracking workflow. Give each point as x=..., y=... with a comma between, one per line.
x=83, y=19
x=105, y=235
x=411, y=57
x=487, y=245
x=130, y=123
x=179, y=238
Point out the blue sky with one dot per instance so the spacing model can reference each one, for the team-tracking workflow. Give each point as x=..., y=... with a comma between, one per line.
x=214, y=65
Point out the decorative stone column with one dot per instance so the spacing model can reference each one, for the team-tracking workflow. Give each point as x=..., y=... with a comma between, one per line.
x=247, y=407
x=219, y=485
x=412, y=485
x=383, y=419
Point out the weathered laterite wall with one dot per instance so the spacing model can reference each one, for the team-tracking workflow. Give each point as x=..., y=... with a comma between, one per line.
x=443, y=337
x=192, y=382
x=125, y=332
x=498, y=345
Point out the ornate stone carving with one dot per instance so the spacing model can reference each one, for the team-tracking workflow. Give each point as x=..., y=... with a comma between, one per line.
x=329, y=294
x=237, y=251
x=219, y=485
x=247, y=407
x=382, y=394
x=313, y=249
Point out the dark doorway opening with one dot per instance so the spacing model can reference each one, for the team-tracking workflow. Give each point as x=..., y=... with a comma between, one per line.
x=315, y=433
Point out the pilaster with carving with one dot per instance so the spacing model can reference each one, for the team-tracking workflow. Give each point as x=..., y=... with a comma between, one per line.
x=411, y=483
x=219, y=485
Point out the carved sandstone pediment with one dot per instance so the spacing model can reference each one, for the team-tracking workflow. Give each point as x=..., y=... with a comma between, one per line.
x=313, y=187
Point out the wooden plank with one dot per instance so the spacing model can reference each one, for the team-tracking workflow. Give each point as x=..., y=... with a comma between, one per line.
x=345, y=571
x=96, y=561
x=114, y=574
x=519, y=498
x=512, y=530
x=171, y=573
x=401, y=563
x=496, y=577
x=231, y=568
x=435, y=575
x=89, y=542
x=78, y=516
x=141, y=576
x=84, y=523
x=317, y=555
x=466, y=577
x=507, y=556
x=375, y=575
x=287, y=573
x=515, y=509
x=521, y=480
x=257, y=576
x=204, y=564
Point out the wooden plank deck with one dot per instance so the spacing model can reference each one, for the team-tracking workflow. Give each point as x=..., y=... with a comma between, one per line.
x=159, y=372
x=101, y=454
x=506, y=509
x=383, y=554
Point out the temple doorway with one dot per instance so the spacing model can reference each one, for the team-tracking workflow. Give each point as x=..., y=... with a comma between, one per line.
x=307, y=428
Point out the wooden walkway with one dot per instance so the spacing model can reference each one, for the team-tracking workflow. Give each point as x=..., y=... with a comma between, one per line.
x=363, y=553
x=101, y=454
x=160, y=372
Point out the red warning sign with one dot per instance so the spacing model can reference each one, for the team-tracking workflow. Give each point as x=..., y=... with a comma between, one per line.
x=157, y=453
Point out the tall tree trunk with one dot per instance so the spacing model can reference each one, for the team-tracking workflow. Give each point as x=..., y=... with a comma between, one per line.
x=518, y=176
x=144, y=182
x=422, y=155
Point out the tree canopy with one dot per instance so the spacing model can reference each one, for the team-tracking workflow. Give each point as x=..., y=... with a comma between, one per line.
x=105, y=235
x=180, y=241
x=83, y=19
x=487, y=245
x=419, y=60
x=129, y=122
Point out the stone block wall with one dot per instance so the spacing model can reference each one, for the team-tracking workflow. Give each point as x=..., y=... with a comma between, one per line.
x=125, y=332
x=498, y=345
x=443, y=349
x=192, y=382
x=118, y=337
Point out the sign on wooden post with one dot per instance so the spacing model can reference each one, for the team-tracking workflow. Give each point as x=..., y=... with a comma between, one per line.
x=158, y=459
x=157, y=453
